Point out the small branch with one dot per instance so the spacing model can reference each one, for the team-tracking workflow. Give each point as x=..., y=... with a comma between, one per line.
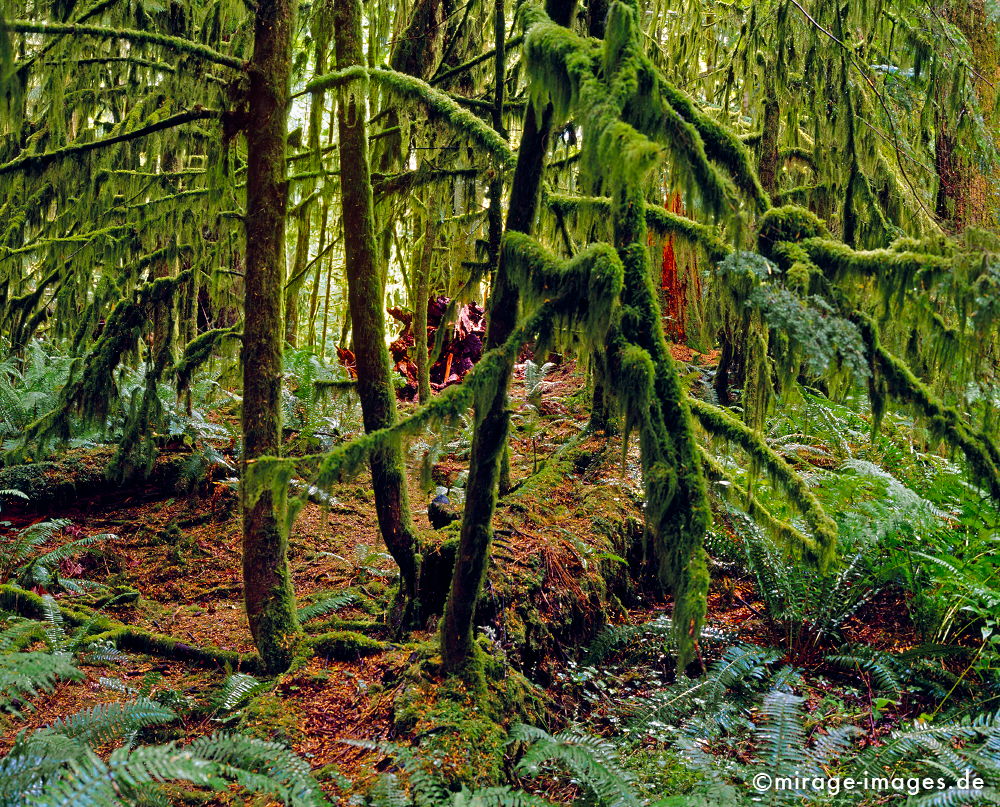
x=517, y=40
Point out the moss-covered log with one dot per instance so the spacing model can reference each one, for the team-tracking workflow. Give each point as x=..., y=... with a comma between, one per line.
x=127, y=637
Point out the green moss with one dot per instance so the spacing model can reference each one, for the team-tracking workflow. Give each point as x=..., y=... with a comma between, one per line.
x=462, y=721
x=344, y=645
x=788, y=223
x=269, y=717
x=659, y=772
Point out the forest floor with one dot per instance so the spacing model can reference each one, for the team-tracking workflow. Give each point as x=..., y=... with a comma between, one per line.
x=559, y=537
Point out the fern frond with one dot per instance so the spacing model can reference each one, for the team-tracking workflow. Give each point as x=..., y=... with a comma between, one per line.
x=106, y=722
x=22, y=675
x=237, y=690
x=262, y=766
x=592, y=761
x=325, y=606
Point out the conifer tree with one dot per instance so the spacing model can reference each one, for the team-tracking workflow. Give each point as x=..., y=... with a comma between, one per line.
x=366, y=293
x=267, y=586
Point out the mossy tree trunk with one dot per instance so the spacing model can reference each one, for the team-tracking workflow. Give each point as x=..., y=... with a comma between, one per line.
x=422, y=288
x=270, y=601
x=492, y=417
x=767, y=149
x=297, y=276
x=365, y=292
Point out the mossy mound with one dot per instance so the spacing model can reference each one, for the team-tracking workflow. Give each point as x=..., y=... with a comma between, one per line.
x=80, y=473
x=345, y=645
x=567, y=552
x=461, y=723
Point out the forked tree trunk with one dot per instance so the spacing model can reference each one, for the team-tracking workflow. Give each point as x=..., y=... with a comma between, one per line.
x=270, y=601
x=492, y=418
x=365, y=292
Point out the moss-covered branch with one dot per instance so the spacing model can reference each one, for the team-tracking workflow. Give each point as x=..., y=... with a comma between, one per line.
x=199, y=350
x=721, y=145
x=126, y=637
x=173, y=43
x=660, y=221
x=433, y=100
x=981, y=452
x=779, y=529
x=35, y=162
x=718, y=422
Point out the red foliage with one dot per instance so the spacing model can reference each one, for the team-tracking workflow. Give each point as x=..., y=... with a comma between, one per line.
x=674, y=280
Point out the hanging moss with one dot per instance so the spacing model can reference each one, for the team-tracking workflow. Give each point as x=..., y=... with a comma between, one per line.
x=36, y=162
x=660, y=221
x=88, y=393
x=896, y=380
x=439, y=103
x=789, y=223
x=718, y=422
x=199, y=350
x=173, y=43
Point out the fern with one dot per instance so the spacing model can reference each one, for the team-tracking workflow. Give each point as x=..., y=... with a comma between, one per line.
x=592, y=761
x=717, y=701
x=56, y=765
x=106, y=722
x=237, y=690
x=23, y=675
x=325, y=606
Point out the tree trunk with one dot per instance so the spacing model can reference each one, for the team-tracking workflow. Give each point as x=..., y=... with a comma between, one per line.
x=270, y=601
x=422, y=288
x=767, y=151
x=314, y=297
x=297, y=277
x=492, y=417
x=365, y=291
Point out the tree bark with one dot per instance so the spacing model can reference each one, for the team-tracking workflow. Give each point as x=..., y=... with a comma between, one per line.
x=422, y=289
x=365, y=291
x=767, y=150
x=270, y=601
x=492, y=418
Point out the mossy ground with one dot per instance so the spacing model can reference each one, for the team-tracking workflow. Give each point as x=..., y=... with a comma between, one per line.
x=566, y=538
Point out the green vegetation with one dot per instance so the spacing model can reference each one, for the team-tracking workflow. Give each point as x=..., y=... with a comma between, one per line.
x=667, y=333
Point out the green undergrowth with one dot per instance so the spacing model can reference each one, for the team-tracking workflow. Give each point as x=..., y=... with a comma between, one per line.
x=567, y=555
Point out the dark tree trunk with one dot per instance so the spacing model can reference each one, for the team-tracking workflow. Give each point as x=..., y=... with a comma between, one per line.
x=365, y=291
x=492, y=417
x=767, y=150
x=270, y=601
